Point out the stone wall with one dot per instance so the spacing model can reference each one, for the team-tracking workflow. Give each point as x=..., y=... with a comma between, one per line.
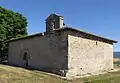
x=48, y=52
x=88, y=56
x=68, y=53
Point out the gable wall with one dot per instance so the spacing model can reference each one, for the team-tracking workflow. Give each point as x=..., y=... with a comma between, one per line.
x=46, y=52
x=88, y=56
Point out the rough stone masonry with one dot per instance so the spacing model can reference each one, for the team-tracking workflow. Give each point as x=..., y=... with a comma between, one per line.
x=63, y=50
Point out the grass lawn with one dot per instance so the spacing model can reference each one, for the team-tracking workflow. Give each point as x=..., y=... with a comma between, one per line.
x=113, y=77
x=10, y=74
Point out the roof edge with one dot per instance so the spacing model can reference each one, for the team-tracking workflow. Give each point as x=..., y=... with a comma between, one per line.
x=65, y=28
x=29, y=36
x=88, y=33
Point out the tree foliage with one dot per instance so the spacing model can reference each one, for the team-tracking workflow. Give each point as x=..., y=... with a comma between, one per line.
x=12, y=25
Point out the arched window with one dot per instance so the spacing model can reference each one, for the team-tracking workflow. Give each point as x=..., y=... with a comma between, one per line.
x=25, y=57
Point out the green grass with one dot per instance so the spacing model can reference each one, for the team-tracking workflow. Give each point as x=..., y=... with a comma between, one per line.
x=9, y=74
x=113, y=77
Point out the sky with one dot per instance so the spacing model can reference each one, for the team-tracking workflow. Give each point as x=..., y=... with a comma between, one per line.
x=101, y=17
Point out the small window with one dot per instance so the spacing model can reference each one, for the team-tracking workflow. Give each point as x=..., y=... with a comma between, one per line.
x=96, y=43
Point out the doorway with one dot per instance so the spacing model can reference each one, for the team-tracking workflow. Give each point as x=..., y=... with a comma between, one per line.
x=25, y=58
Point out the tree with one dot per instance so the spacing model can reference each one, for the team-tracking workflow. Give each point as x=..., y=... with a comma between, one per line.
x=12, y=25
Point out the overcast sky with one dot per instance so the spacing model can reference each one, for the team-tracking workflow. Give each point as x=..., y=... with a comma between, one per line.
x=101, y=17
